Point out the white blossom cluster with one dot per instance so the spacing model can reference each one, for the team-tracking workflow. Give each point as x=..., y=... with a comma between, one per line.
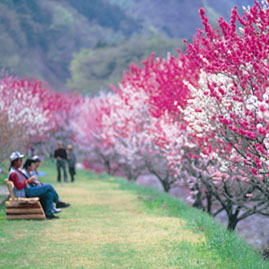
x=260, y=107
x=202, y=107
x=203, y=110
x=173, y=140
x=23, y=109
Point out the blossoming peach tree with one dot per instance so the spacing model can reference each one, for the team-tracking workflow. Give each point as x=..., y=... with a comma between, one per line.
x=157, y=84
x=22, y=115
x=30, y=113
x=140, y=156
x=163, y=81
x=95, y=139
x=112, y=127
x=228, y=112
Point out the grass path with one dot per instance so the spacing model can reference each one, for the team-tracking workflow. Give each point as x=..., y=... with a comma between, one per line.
x=111, y=225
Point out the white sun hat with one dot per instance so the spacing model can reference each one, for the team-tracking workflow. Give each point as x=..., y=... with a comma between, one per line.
x=15, y=155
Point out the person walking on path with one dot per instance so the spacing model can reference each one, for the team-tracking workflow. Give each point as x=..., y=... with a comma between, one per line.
x=71, y=160
x=61, y=156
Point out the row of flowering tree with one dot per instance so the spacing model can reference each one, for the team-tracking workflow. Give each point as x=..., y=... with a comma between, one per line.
x=31, y=114
x=198, y=119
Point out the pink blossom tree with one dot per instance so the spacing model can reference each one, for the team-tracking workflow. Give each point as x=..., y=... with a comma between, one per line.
x=231, y=102
x=94, y=140
x=63, y=109
x=140, y=155
x=31, y=113
x=228, y=112
x=9, y=136
x=21, y=115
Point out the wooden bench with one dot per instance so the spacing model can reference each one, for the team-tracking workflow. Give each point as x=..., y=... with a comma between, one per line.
x=22, y=208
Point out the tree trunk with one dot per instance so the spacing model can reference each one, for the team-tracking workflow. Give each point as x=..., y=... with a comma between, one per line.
x=232, y=222
x=166, y=185
x=107, y=164
x=233, y=219
x=209, y=201
x=198, y=203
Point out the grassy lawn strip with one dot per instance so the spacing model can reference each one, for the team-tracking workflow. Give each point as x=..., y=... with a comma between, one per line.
x=117, y=224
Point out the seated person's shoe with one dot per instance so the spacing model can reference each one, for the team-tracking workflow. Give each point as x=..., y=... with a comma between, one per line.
x=62, y=205
x=56, y=210
x=51, y=216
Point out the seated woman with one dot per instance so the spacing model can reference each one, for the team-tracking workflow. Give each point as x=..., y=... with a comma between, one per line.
x=28, y=167
x=34, y=172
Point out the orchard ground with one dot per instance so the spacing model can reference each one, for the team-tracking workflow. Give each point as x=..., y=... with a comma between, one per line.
x=254, y=230
x=117, y=224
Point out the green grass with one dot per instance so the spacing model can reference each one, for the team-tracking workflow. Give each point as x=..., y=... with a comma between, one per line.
x=117, y=224
x=4, y=175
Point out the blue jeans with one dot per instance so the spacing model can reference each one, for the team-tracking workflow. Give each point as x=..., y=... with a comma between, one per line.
x=47, y=195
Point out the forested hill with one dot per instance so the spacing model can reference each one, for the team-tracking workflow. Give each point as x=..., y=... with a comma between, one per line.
x=177, y=18
x=42, y=38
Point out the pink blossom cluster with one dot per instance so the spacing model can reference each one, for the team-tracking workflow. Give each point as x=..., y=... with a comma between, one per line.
x=93, y=134
x=31, y=111
x=116, y=135
x=163, y=81
x=229, y=110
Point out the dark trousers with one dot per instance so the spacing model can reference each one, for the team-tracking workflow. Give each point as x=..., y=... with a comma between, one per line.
x=72, y=172
x=60, y=164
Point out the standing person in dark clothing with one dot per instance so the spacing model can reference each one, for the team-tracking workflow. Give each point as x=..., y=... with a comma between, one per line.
x=61, y=156
x=71, y=159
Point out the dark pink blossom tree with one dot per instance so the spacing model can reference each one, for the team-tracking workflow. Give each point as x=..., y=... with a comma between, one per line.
x=228, y=112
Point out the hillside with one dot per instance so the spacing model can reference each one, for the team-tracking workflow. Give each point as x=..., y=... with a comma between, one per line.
x=97, y=68
x=38, y=38
x=41, y=38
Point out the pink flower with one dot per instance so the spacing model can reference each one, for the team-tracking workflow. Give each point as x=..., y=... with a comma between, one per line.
x=254, y=171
